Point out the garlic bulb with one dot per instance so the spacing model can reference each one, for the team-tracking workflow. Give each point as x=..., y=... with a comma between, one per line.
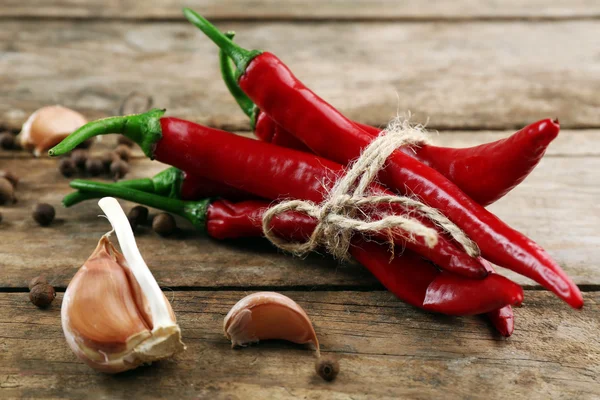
x=48, y=126
x=268, y=315
x=114, y=315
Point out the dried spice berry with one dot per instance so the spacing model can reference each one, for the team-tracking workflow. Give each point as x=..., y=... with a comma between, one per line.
x=37, y=281
x=164, y=224
x=67, y=168
x=107, y=159
x=123, y=151
x=7, y=141
x=94, y=166
x=139, y=214
x=327, y=368
x=125, y=141
x=7, y=192
x=12, y=178
x=44, y=214
x=86, y=145
x=79, y=157
x=118, y=169
x=42, y=295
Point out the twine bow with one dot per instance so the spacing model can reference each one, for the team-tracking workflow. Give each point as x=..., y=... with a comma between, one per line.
x=342, y=213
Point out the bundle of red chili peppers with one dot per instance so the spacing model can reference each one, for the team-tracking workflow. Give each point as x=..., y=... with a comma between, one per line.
x=305, y=145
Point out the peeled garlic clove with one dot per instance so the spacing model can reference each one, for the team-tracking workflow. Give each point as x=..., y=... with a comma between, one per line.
x=268, y=315
x=48, y=126
x=114, y=315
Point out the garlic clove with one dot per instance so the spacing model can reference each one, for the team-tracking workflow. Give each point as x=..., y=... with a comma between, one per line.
x=114, y=315
x=268, y=315
x=48, y=126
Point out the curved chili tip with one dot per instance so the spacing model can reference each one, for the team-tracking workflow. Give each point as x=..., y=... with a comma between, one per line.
x=503, y=320
x=454, y=295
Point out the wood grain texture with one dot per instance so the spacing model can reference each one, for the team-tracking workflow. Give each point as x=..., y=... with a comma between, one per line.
x=556, y=210
x=479, y=75
x=386, y=350
x=302, y=9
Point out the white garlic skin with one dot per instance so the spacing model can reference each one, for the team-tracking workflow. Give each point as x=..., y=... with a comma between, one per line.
x=106, y=319
x=268, y=315
x=48, y=126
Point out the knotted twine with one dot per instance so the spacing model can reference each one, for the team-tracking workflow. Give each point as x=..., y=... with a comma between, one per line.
x=341, y=214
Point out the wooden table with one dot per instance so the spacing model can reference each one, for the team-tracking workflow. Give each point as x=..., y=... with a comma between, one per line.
x=474, y=71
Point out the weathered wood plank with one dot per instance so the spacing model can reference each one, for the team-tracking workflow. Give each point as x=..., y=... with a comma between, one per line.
x=480, y=75
x=302, y=10
x=556, y=210
x=386, y=350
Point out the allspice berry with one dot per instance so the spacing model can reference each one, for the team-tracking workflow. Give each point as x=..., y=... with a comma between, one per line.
x=94, y=166
x=44, y=214
x=107, y=159
x=7, y=192
x=7, y=140
x=124, y=140
x=42, y=295
x=118, y=169
x=12, y=178
x=79, y=157
x=138, y=214
x=67, y=168
x=164, y=224
x=123, y=151
x=327, y=368
x=37, y=281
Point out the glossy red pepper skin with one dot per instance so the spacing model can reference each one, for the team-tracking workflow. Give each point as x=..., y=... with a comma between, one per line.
x=198, y=187
x=273, y=172
x=277, y=92
x=409, y=277
x=485, y=173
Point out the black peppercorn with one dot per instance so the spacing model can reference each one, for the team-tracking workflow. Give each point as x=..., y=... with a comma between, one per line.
x=118, y=169
x=327, y=368
x=123, y=152
x=139, y=214
x=42, y=295
x=44, y=214
x=12, y=178
x=7, y=192
x=107, y=159
x=7, y=141
x=67, y=168
x=79, y=157
x=164, y=224
x=124, y=140
x=94, y=166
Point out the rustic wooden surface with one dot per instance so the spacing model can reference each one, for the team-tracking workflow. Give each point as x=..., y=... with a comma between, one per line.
x=475, y=71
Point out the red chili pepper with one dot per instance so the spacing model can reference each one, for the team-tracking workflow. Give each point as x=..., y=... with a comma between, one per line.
x=262, y=169
x=409, y=277
x=272, y=86
x=485, y=173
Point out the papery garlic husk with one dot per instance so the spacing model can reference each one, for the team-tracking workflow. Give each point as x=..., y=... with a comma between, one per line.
x=48, y=126
x=268, y=315
x=114, y=315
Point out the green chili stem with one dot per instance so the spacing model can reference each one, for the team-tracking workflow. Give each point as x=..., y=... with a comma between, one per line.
x=142, y=184
x=228, y=74
x=193, y=211
x=143, y=129
x=240, y=56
